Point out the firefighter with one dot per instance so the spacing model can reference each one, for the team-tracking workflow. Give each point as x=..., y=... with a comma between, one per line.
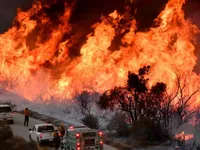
x=180, y=140
x=62, y=130
x=56, y=139
x=26, y=116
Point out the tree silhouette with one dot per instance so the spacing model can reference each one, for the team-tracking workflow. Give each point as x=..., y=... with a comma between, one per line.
x=135, y=99
x=166, y=111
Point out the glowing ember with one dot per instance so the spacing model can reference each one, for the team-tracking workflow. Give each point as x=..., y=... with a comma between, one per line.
x=37, y=65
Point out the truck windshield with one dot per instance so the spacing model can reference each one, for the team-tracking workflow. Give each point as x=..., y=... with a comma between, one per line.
x=5, y=109
x=45, y=129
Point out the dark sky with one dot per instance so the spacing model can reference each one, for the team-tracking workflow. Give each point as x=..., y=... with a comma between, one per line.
x=83, y=9
x=148, y=9
x=8, y=11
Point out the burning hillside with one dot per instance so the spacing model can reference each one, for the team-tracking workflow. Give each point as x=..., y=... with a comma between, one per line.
x=36, y=58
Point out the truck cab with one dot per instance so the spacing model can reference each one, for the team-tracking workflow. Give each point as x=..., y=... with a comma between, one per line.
x=82, y=138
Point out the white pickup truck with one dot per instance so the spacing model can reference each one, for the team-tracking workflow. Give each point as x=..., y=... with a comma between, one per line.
x=6, y=113
x=42, y=133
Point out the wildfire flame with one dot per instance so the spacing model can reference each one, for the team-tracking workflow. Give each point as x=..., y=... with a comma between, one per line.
x=37, y=64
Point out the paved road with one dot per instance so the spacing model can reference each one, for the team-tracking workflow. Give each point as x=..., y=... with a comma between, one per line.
x=19, y=129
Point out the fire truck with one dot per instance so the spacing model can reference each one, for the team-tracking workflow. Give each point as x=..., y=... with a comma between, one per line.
x=82, y=138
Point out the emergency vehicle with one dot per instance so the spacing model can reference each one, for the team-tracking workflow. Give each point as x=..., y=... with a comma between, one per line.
x=82, y=138
x=42, y=133
x=6, y=113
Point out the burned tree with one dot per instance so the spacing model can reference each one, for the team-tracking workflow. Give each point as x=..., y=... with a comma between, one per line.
x=175, y=110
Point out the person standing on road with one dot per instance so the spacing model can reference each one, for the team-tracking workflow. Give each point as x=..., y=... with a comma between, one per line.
x=26, y=114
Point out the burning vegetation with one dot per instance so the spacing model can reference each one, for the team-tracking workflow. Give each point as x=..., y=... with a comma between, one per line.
x=42, y=55
x=152, y=110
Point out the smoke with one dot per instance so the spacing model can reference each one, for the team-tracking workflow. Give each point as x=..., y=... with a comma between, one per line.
x=8, y=11
x=87, y=12
x=6, y=96
x=193, y=13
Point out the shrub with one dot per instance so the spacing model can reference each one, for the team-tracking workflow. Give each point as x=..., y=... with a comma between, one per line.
x=84, y=103
x=118, y=123
x=10, y=142
x=6, y=132
x=20, y=144
x=146, y=130
x=91, y=121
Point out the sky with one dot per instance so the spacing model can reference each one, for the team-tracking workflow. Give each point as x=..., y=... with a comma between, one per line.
x=8, y=11
x=148, y=9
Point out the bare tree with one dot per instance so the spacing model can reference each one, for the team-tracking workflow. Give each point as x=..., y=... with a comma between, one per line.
x=175, y=111
x=84, y=102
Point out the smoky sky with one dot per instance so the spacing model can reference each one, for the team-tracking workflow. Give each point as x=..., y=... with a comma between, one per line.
x=89, y=11
x=8, y=11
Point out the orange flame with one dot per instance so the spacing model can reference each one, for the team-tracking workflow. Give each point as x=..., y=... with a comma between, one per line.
x=44, y=67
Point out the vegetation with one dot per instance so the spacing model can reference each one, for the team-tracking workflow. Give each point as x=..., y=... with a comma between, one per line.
x=10, y=142
x=153, y=113
x=118, y=124
x=84, y=103
x=91, y=121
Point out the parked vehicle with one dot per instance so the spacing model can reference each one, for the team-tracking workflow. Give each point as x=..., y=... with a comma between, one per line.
x=6, y=113
x=82, y=138
x=42, y=133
